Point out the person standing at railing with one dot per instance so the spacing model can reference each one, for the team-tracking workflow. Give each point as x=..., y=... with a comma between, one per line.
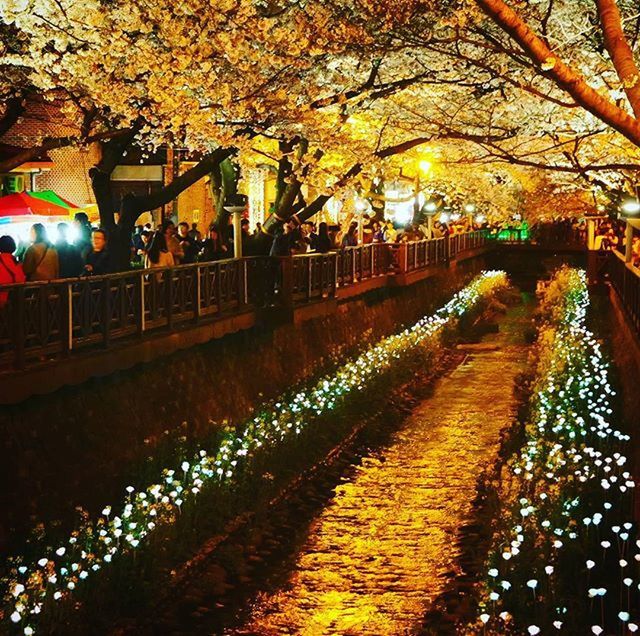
x=188, y=244
x=281, y=245
x=69, y=257
x=213, y=249
x=390, y=233
x=172, y=243
x=10, y=270
x=323, y=242
x=83, y=233
x=350, y=239
x=158, y=254
x=40, y=259
x=97, y=260
x=378, y=232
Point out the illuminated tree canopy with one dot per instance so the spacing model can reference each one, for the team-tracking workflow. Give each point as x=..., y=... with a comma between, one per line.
x=337, y=93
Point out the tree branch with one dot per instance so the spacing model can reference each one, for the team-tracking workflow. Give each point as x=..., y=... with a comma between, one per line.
x=620, y=52
x=13, y=109
x=564, y=76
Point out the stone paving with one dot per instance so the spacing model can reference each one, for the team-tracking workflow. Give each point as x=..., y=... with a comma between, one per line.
x=369, y=555
x=384, y=546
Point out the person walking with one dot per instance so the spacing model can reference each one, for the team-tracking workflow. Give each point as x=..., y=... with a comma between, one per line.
x=40, y=259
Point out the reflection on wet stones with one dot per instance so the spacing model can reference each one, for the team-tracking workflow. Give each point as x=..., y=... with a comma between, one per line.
x=387, y=543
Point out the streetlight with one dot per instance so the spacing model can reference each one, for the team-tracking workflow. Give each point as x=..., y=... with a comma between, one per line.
x=361, y=206
x=470, y=208
x=424, y=165
x=629, y=206
x=235, y=204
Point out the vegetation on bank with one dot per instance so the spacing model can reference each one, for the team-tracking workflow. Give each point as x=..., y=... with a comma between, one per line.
x=564, y=551
x=235, y=466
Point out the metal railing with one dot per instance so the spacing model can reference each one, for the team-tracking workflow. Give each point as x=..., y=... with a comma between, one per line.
x=48, y=320
x=625, y=279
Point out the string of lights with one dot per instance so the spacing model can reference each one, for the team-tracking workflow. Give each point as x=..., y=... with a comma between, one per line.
x=566, y=539
x=119, y=530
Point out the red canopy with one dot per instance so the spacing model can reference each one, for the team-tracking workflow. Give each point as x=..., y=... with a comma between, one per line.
x=21, y=204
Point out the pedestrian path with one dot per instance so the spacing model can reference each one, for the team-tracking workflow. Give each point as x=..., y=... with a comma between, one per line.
x=385, y=545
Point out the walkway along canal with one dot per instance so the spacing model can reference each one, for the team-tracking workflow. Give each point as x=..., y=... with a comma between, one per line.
x=383, y=544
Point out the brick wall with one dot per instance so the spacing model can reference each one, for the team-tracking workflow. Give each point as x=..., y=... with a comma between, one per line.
x=68, y=177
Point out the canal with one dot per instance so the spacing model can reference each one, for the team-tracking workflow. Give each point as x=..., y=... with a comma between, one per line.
x=367, y=547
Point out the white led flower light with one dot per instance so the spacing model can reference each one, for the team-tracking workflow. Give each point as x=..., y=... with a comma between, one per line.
x=572, y=465
x=94, y=545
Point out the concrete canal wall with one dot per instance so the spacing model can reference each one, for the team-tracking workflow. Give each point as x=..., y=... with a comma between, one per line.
x=84, y=442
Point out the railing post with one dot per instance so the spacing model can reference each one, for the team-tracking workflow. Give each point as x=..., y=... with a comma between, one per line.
x=18, y=301
x=141, y=317
x=353, y=264
x=197, y=293
x=309, y=277
x=286, y=289
x=106, y=311
x=336, y=266
x=66, y=327
x=168, y=297
x=245, y=279
x=240, y=283
x=219, y=287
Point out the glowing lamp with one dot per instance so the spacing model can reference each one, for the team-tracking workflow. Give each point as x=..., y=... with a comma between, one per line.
x=425, y=166
x=631, y=206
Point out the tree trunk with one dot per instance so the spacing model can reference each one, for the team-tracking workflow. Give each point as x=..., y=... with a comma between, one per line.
x=132, y=206
x=565, y=77
x=375, y=196
x=224, y=182
x=620, y=51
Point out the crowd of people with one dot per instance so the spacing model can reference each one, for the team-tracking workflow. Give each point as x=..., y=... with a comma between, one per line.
x=560, y=230
x=44, y=259
x=170, y=244
x=299, y=238
x=611, y=235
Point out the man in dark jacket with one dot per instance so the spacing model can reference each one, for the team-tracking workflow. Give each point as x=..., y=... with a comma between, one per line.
x=281, y=245
x=97, y=260
x=69, y=258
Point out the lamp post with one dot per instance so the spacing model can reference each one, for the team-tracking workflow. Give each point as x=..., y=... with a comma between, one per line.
x=431, y=208
x=360, y=206
x=630, y=207
x=236, y=204
x=470, y=208
x=424, y=166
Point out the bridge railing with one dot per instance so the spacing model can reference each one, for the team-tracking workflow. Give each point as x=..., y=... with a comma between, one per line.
x=625, y=279
x=44, y=320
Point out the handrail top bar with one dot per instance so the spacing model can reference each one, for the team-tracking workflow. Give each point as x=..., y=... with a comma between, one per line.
x=188, y=266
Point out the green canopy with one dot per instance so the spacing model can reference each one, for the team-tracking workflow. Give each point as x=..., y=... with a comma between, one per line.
x=52, y=197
